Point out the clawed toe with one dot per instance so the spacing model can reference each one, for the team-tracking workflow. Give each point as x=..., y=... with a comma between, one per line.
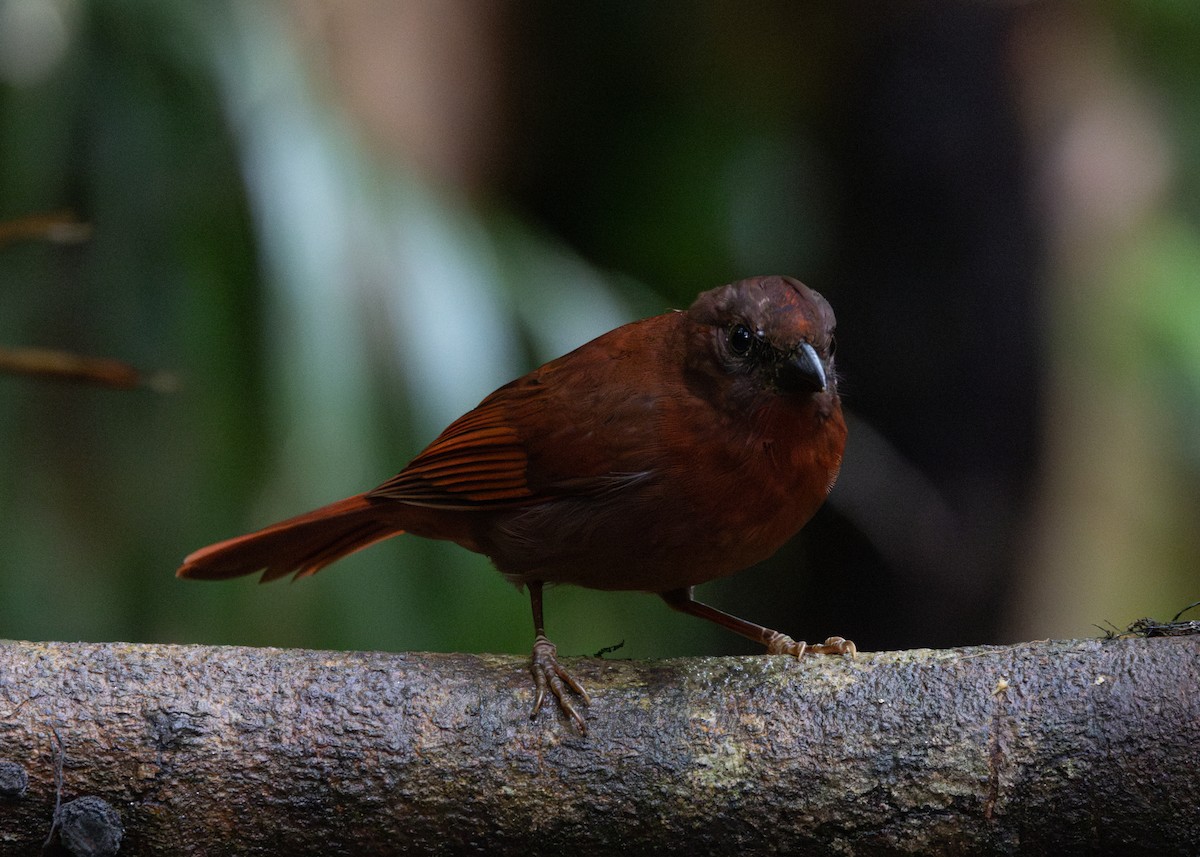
x=548, y=674
x=835, y=646
x=782, y=644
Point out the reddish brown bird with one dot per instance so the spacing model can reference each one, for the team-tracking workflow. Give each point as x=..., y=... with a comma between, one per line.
x=663, y=454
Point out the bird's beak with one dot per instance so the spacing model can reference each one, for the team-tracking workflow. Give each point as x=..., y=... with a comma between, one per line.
x=802, y=371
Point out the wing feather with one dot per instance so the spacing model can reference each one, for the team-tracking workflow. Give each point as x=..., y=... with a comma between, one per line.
x=478, y=462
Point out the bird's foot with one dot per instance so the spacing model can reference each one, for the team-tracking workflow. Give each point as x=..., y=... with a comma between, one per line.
x=782, y=644
x=548, y=674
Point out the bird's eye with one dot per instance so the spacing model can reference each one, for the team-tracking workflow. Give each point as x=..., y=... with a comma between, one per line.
x=832, y=346
x=740, y=339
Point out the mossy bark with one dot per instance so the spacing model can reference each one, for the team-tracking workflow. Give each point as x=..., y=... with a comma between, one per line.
x=1044, y=748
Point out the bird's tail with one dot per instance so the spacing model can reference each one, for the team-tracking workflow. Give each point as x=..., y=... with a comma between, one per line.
x=304, y=544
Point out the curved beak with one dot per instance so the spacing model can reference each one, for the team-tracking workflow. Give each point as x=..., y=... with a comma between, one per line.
x=802, y=371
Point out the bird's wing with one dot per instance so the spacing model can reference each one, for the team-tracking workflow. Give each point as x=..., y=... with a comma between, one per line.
x=477, y=462
x=536, y=438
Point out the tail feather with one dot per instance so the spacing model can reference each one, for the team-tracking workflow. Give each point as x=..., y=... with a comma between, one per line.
x=304, y=544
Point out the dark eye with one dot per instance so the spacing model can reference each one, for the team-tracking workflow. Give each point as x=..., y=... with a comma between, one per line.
x=740, y=339
x=832, y=346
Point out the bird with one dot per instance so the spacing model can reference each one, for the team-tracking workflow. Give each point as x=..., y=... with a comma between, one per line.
x=666, y=453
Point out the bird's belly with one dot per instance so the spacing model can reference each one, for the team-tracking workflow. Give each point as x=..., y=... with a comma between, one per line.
x=655, y=544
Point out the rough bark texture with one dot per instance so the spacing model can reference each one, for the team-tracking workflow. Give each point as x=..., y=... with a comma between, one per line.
x=1044, y=748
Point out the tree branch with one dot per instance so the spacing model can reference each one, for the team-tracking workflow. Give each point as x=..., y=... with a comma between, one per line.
x=1052, y=747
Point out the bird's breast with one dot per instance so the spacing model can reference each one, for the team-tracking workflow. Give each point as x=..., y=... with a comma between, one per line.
x=750, y=499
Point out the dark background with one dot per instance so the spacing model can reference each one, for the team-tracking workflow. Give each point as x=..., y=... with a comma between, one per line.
x=339, y=225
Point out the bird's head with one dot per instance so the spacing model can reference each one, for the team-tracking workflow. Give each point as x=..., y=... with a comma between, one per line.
x=764, y=336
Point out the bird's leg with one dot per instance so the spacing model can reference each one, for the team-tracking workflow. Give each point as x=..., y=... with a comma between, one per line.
x=776, y=643
x=546, y=670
